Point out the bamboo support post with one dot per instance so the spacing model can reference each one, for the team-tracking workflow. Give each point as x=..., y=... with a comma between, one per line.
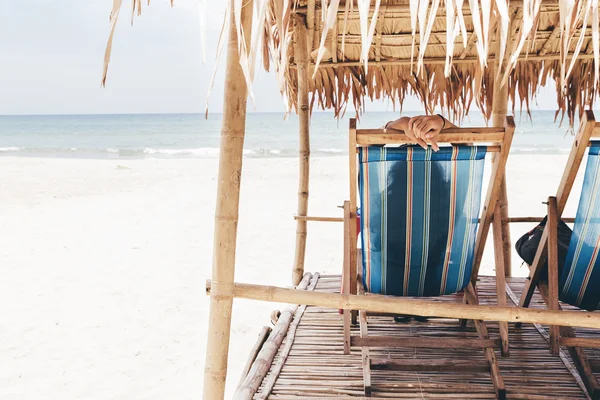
x=263, y=361
x=302, y=107
x=424, y=308
x=226, y=213
x=353, y=184
x=499, y=111
x=500, y=279
x=553, y=271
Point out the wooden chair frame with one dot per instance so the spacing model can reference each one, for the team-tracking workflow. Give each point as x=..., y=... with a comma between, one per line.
x=548, y=251
x=500, y=140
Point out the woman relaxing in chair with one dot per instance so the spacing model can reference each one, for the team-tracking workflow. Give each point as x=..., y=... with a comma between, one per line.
x=422, y=129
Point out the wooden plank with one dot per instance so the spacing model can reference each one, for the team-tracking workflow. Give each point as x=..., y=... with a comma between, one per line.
x=500, y=277
x=552, y=227
x=429, y=365
x=365, y=354
x=588, y=124
x=320, y=219
x=434, y=343
x=498, y=167
x=425, y=308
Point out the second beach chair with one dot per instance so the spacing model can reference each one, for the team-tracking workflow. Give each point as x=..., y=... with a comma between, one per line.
x=577, y=281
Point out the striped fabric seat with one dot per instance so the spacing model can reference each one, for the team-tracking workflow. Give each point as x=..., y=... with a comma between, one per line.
x=579, y=282
x=419, y=218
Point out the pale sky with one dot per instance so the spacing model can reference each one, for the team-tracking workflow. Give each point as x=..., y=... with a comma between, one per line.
x=52, y=55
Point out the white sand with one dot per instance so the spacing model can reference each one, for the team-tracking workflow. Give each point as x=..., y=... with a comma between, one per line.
x=104, y=265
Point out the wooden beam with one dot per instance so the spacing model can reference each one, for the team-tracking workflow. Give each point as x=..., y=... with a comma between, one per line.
x=368, y=137
x=433, y=343
x=553, y=36
x=310, y=22
x=425, y=308
x=226, y=212
x=416, y=365
x=303, y=109
x=498, y=168
x=439, y=60
x=552, y=227
x=346, y=275
x=533, y=219
x=321, y=219
x=588, y=125
x=586, y=343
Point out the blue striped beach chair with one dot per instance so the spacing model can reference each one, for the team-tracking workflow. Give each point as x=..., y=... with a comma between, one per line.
x=577, y=282
x=422, y=233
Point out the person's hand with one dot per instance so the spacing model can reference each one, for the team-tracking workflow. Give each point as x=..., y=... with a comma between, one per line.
x=426, y=128
x=402, y=124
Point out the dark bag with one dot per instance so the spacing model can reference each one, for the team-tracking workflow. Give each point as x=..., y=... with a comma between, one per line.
x=527, y=244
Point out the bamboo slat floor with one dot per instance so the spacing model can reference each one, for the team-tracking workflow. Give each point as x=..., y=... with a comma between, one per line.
x=317, y=368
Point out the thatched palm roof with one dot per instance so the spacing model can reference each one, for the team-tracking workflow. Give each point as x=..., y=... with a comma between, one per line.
x=393, y=48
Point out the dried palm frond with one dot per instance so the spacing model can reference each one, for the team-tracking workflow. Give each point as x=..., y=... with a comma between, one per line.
x=500, y=39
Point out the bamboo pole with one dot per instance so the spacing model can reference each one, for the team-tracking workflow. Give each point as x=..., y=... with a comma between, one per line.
x=424, y=308
x=262, y=337
x=226, y=213
x=302, y=107
x=269, y=383
x=262, y=363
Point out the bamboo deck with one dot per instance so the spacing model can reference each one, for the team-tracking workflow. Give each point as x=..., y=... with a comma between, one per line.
x=315, y=366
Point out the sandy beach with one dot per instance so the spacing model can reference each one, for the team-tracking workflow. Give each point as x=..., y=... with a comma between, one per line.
x=104, y=265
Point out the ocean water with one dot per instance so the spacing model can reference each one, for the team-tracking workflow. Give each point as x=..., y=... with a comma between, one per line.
x=191, y=135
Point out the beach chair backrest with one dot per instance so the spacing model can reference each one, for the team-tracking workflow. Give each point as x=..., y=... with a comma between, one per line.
x=580, y=278
x=421, y=219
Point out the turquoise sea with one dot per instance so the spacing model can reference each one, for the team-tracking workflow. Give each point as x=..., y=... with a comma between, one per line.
x=191, y=135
